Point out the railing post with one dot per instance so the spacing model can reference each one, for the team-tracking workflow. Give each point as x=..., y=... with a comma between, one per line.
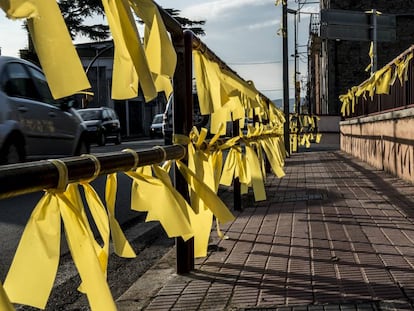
x=183, y=119
x=236, y=182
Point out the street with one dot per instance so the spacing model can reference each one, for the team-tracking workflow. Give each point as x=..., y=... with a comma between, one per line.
x=133, y=144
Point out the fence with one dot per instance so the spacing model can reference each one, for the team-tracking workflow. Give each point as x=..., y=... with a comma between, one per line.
x=199, y=163
x=390, y=88
x=380, y=118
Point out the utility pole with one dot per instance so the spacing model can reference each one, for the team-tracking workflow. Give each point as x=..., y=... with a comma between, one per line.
x=286, y=127
x=374, y=41
x=295, y=55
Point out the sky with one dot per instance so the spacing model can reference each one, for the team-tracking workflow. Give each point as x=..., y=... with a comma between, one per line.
x=243, y=33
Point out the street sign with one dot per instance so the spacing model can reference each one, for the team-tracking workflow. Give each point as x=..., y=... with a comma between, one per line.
x=356, y=26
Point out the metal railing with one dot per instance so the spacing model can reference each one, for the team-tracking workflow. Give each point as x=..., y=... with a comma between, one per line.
x=30, y=177
x=22, y=178
x=400, y=95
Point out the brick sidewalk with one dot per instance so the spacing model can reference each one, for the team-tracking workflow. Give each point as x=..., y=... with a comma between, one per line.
x=333, y=234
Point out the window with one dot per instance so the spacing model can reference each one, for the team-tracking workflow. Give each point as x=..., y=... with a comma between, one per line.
x=106, y=115
x=18, y=82
x=42, y=86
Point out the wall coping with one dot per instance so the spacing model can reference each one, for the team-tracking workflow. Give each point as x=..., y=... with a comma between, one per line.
x=392, y=115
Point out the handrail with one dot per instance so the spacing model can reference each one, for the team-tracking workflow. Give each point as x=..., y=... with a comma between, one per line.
x=355, y=103
x=23, y=178
x=202, y=47
x=172, y=25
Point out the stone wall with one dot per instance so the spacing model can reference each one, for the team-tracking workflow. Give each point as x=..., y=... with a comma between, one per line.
x=385, y=141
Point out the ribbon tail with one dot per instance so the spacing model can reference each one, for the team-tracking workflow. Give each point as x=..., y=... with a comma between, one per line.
x=81, y=245
x=33, y=270
x=5, y=303
x=121, y=245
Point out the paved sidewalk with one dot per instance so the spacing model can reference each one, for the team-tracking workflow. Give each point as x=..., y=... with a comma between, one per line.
x=334, y=234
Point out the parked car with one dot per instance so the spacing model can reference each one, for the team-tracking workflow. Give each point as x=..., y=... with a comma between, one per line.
x=156, y=126
x=32, y=124
x=102, y=124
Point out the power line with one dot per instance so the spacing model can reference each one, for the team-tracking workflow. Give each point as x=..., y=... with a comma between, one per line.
x=274, y=90
x=257, y=63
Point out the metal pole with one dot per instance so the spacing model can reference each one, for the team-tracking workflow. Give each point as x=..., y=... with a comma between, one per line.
x=183, y=118
x=296, y=66
x=374, y=41
x=128, y=126
x=285, y=78
x=236, y=181
x=374, y=49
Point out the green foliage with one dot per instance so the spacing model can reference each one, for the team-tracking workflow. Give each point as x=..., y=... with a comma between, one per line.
x=76, y=11
x=187, y=23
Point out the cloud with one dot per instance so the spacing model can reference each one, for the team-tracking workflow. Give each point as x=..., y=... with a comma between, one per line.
x=312, y=8
x=269, y=23
x=14, y=39
x=216, y=10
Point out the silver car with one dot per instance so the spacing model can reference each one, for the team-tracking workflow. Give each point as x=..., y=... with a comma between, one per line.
x=32, y=124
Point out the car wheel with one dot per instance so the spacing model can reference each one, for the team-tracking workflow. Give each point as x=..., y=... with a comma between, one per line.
x=118, y=139
x=101, y=139
x=11, y=153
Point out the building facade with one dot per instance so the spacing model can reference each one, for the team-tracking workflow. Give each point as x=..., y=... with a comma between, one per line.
x=134, y=114
x=335, y=65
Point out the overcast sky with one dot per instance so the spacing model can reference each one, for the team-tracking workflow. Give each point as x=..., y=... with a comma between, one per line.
x=243, y=33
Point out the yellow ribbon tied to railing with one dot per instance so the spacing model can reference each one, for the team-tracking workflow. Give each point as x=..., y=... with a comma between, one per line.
x=5, y=304
x=275, y=152
x=159, y=50
x=157, y=196
x=256, y=172
x=206, y=166
x=121, y=245
x=39, y=247
x=210, y=201
x=53, y=44
x=234, y=165
x=130, y=63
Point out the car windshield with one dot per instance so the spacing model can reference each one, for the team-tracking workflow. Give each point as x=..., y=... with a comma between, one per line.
x=89, y=115
x=157, y=119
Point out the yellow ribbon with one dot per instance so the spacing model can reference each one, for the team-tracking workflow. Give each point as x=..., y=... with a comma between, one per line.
x=5, y=303
x=274, y=150
x=159, y=50
x=206, y=165
x=157, y=196
x=53, y=44
x=130, y=63
x=19, y=8
x=209, y=197
x=121, y=245
x=256, y=174
x=40, y=245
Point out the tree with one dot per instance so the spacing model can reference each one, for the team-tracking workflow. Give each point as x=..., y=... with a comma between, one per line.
x=187, y=23
x=76, y=11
